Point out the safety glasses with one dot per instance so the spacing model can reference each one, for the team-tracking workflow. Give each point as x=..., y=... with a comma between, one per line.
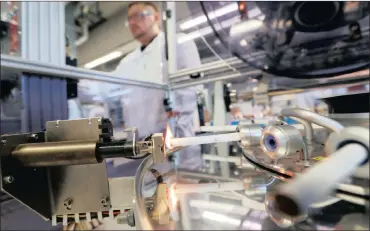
x=139, y=15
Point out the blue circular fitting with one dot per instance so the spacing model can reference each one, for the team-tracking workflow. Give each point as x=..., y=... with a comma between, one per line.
x=270, y=143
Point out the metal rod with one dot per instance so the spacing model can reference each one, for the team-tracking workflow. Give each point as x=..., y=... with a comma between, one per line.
x=209, y=187
x=211, y=80
x=249, y=95
x=8, y=62
x=313, y=118
x=171, y=37
x=205, y=67
x=307, y=129
x=224, y=128
x=142, y=215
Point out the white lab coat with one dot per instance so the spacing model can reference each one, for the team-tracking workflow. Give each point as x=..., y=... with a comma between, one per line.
x=143, y=108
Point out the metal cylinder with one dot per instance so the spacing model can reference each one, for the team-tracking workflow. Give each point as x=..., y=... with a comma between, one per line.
x=313, y=118
x=279, y=141
x=250, y=134
x=56, y=153
x=281, y=219
x=117, y=148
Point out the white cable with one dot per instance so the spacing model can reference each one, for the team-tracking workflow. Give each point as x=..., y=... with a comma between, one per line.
x=217, y=55
x=319, y=181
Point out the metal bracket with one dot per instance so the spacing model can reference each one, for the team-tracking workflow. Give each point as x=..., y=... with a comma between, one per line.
x=86, y=185
x=260, y=96
x=158, y=149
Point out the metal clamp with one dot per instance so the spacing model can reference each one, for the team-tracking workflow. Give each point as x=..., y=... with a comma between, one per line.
x=158, y=150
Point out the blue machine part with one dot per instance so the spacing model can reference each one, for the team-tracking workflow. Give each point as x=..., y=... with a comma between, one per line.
x=235, y=122
x=290, y=121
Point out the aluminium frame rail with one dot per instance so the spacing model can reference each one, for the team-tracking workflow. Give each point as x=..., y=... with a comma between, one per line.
x=25, y=66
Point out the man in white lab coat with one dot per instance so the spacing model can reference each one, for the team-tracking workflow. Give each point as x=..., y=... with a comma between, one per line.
x=144, y=108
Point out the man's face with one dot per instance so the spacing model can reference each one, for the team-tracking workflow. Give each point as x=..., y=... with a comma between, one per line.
x=141, y=19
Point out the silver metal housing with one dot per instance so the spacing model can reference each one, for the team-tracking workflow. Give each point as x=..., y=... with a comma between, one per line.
x=250, y=134
x=279, y=141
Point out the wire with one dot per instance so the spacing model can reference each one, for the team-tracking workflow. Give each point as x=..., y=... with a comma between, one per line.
x=157, y=175
x=147, y=138
x=216, y=54
x=138, y=157
x=221, y=39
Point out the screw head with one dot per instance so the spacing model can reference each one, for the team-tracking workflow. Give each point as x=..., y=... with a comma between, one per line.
x=68, y=203
x=105, y=201
x=131, y=218
x=8, y=179
x=3, y=142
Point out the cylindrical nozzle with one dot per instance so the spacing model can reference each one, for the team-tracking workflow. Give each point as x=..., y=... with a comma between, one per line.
x=281, y=219
x=117, y=148
x=250, y=134
x=72, y=152
x=279, y=141
x=295, y=197
x=56, y=153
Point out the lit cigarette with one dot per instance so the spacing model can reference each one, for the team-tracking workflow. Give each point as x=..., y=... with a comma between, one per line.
x=189, y=141
x=211, y=187
x=225, y=128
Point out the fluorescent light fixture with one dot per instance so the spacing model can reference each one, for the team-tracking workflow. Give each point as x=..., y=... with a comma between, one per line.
x=227, y=23
x=104, y=59
x=205, y=31
x=215, y=14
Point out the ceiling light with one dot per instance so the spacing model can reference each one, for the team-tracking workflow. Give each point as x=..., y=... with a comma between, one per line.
x=104, y=59
x=205, y=31
x=215, y=14
x=226, y=23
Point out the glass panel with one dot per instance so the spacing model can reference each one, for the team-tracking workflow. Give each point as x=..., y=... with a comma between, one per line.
x=283, y=39
x=193, y=25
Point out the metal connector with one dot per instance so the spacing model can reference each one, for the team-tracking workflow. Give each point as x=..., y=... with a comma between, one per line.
x=161, y=212
x=153, y=146
x=158, y=150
